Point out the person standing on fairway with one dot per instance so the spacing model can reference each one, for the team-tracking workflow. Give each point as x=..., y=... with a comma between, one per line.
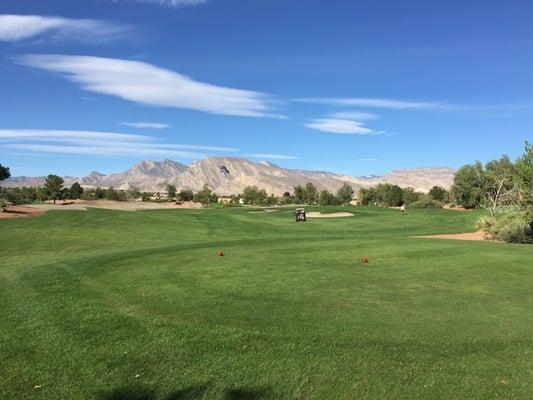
x=402, y=209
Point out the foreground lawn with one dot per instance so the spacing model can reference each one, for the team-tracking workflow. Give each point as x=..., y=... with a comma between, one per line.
x=116, y=305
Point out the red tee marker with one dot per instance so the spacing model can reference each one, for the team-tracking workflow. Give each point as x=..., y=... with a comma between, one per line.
x=364, y=260
x=220, y=254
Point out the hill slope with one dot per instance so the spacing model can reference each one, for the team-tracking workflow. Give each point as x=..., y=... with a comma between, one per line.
x=229, y=175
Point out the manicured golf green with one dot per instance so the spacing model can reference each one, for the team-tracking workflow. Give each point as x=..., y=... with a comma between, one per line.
x=105, y=304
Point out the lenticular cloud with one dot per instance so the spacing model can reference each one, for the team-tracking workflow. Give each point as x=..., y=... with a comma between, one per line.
x=20, y=27
x=148, y=84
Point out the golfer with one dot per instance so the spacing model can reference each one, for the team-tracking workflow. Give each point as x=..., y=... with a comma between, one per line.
x=402, y=209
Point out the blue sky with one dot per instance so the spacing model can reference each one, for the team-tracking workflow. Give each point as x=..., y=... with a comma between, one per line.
x=358, y=87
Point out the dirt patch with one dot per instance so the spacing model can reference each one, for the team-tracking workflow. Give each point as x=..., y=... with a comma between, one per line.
x=83, y=205
x=457, y=208
x=475, y=236
x=20, y=212
x=66, y=207
x=185, y=204
x=314, y=214
x=113, y=205
x=121, y=205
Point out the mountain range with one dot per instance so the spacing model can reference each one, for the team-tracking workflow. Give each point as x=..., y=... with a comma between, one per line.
x=230, y=175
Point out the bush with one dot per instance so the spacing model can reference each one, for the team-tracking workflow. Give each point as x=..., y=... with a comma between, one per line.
x=185, y=195
x=93, y=194
x=426, y=203
x=326, y=198
x=17, y=196
x=231, y=205
x=486, y=224
x=510, y=227
x=438, y=193
x=113, y=194
x=14, y=197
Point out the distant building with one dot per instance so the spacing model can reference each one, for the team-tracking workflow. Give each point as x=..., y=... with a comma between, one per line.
x=228, y=199
x=162, y=195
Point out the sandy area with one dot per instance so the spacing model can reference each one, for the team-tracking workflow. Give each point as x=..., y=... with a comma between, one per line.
x=476, y=236
x=64, y=207
x=112, y=205
x=20, y=212
x=457, y=208
x=189, y=204
x=314, y=214
x=262, y=211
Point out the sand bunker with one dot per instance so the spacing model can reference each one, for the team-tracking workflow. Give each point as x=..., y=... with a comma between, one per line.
x=62, y=207
x=314, y=214
x=475, y=236
x=457, y=208
x=82, y=205
x=31, y=210
x=20, y=212
x=262, y=211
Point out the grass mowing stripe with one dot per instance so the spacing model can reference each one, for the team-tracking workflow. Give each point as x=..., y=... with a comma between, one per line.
x=105, y=304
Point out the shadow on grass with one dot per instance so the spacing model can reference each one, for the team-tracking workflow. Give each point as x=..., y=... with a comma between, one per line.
x=127, y=393
x=189, y=393
x=192, y=392
x=257, y=393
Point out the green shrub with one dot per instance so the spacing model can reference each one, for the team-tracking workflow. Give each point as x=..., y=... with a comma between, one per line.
x=486, y=224
x=14, y=197
x=426, y=203
x=18, y=196
x=510, y=227
x=231, y=205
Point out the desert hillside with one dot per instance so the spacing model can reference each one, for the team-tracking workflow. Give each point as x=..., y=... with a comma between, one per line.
x=229, y=175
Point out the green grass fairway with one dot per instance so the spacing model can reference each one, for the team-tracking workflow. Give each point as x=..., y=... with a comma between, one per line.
x=105, y=304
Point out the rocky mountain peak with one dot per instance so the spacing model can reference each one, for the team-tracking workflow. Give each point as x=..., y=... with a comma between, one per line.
x=230, y=175
x=95, y=174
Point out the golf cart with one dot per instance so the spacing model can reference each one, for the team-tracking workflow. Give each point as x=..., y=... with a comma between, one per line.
x=300, y=215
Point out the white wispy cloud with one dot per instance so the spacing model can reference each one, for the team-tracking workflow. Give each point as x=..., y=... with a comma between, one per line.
x=271, y=156
x=341, y=126
x=145, y=83
x=99, y=144
x=171, y=3
x=19, y=27
x=355, y=115
x=145, y=125
x=205, y=148
x=51, y=134
x=371, y=102
x=110, y=150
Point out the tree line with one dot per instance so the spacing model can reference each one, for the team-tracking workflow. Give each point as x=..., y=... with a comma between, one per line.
x=54, y=190
x=308, y=194
x=388, y=195
x=205, y=196
x=302, y=194
x=254, y=196
x=505, y=189
x=497, y=184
